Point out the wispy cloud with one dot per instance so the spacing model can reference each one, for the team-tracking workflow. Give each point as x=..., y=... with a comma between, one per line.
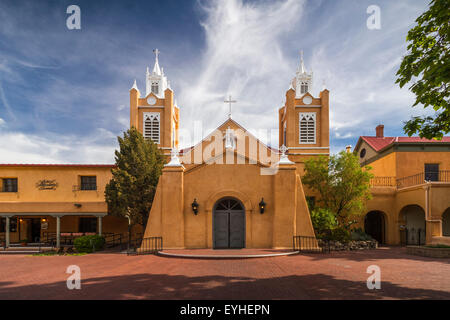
x=243, y=56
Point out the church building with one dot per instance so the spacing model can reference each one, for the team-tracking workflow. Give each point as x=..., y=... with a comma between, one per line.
x=230, y=190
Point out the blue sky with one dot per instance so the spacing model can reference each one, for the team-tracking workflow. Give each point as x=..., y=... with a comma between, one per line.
x=64, y=94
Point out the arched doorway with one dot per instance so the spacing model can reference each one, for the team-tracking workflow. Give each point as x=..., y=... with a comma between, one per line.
x=375, y=226
x=414, y=222
x=228, y=224
x=446, y=223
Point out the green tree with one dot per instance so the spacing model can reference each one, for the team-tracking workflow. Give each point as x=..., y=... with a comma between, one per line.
x=427, y=66
x=323, y=221
x=343, y=185
x=132, y=188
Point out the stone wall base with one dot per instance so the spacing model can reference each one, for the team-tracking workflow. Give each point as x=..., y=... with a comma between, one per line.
x=429, y=252
x=349, y=246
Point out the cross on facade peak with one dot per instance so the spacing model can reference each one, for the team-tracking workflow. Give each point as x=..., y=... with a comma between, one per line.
x=229, y=101
x=283, y=149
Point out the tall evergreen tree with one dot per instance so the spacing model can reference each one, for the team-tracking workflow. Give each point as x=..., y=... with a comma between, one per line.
x=132, y=188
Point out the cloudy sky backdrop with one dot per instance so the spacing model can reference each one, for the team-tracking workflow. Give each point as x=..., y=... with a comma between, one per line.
x=64, y=94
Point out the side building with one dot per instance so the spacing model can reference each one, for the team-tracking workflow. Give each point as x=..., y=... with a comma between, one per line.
x=39, y=201
x=411, y=188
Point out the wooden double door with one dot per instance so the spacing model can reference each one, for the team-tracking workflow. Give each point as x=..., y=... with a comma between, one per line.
x=229, y=224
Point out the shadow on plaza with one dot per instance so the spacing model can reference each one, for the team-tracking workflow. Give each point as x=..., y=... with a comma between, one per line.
x=163, y=286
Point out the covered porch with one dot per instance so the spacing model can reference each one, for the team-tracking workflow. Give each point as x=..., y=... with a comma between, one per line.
x=56, y=228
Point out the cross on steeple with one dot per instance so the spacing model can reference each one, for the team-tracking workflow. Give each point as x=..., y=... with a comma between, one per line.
x=229, y=101
x=157, y=52
x=302, y=65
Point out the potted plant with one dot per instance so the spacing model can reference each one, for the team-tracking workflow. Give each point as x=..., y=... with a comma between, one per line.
x=24, y=242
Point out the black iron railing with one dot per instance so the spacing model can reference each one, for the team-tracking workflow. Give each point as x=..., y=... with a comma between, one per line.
x=309, y=244
x=65, y=238
x=149, y=245
x=420, y=178
x=113, y=240
x=412, y=236
x=411, y=180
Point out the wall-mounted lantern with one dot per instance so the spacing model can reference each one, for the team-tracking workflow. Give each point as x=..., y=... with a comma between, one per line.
x=262, y=206
x=195, y=206
x=43, y=220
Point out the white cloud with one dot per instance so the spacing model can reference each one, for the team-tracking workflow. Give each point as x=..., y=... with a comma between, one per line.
x=244, y=57
x=16, y=147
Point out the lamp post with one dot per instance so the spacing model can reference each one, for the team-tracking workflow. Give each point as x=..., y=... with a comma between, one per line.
x=129, y=234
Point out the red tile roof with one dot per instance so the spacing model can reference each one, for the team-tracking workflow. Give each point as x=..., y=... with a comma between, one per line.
x=380, y=143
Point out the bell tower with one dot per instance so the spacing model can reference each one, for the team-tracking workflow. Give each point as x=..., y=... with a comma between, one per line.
x=156, y=115
x=304, y=119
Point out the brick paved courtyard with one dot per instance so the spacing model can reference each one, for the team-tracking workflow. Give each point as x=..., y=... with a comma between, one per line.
x=324, y=276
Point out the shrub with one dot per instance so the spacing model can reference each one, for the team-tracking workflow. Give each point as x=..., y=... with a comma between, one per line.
x=359, y=235
x=340, y=234
x=323, y=221
x=87, y=244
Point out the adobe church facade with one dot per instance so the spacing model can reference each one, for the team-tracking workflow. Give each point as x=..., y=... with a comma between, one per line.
x=231, y=190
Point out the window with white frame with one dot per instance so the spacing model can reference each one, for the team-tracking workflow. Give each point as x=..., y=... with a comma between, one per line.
x=152, y=126
x=304, y=87
x=155, y=89
x=307, y=127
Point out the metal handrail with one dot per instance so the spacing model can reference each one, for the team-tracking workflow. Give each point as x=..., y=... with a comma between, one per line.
x=149, y=245
x=308, y=244
x=409, y=181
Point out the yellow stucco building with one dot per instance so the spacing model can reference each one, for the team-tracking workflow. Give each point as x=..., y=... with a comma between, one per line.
x=38, y=200
x=411, y=188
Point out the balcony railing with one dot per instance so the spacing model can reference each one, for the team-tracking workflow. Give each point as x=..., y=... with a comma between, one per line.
x=414, y=180
x=383, y=182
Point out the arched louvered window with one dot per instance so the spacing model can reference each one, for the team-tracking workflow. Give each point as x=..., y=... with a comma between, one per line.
x=303, y=88
x=155, y=89
x=307, y=127
x=152, y=126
